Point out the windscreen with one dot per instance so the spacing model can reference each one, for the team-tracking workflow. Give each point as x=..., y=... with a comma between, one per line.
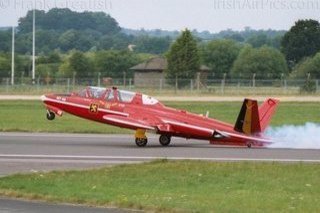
x=147, y=100
x=97, y=92
x=126, y=96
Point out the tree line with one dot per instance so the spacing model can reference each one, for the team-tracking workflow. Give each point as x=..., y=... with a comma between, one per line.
x=91, y=43
x=297, y=57
x=64, y=30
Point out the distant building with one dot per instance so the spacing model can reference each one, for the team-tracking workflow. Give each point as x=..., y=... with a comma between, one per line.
x=151, y=73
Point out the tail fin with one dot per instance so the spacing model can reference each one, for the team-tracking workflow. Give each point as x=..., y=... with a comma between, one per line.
x=253, y=119
x=266, y=111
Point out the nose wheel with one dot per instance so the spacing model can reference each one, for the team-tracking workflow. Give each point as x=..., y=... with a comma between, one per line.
x=141, y=142
x=165, y=140
x=141, y=139
x=50, y=115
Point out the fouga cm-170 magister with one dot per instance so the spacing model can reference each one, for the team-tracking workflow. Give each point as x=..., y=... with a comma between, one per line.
x=143, y=113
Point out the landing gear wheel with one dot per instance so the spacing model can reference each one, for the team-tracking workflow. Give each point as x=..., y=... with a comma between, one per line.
x=141, y=142
x=165, y=140
x=50, y=116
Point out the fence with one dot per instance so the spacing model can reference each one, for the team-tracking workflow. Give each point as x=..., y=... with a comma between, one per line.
x=165, y=86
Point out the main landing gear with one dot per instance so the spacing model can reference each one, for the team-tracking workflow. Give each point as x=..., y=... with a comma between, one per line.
x=165, y=140
x=50, y=115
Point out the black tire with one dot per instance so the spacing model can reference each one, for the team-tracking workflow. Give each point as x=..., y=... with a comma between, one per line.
x=141, y=142
x=165, y=140
x=50, y=116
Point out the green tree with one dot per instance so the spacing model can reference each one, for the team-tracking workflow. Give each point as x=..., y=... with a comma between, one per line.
x=219, y=55
x=310, y=65
x=22, y=64
x=69, y=40
x=62, y=19
x=258, y=40
x=236, y=37
x=113, y=63
x=265, y=62
x=154, y=45
x=118, y=41
x=302, y=40
x=48, y=65
x=67, y=30
x=5, y=65
x=183, y=57
x=46, y=41
x=275, y=42
x=24, y=43
x=5, y=41
x=77, y=63
x=25, y=23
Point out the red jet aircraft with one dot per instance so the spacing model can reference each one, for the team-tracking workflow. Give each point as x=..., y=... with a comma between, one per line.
x=143, y=113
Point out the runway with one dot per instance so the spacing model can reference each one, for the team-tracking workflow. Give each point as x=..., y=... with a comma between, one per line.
x=32, y=152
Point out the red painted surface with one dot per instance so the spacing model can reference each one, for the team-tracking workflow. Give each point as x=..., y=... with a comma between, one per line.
x=154, y=116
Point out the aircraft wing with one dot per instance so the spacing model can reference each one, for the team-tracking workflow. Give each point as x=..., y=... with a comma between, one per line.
x=128, y=122
x=180, y=127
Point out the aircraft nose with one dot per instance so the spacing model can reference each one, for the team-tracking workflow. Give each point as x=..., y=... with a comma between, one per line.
x=43, y=98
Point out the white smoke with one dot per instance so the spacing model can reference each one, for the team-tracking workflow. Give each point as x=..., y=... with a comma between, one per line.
x=296, y=137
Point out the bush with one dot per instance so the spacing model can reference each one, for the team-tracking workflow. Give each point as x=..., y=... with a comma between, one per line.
x=308, y=87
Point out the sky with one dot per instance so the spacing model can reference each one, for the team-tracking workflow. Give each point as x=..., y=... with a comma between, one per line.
x=211, y=15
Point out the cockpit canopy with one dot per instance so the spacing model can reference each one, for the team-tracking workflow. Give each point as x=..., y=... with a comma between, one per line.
x=114, y=94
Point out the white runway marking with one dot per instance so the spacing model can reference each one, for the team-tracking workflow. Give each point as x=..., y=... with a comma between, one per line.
x=125, y=159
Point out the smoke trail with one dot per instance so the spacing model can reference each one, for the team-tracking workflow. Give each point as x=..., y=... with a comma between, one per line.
x=297, y=137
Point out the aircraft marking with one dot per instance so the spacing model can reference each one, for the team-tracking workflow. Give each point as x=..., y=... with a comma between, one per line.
x=94, y=108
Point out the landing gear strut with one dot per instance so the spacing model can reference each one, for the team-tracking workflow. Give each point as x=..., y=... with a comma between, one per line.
x=141, y=139
x=165, y=140
x=249, y=145
x=50, y=115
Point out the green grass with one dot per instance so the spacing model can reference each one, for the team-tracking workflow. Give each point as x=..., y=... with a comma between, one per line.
x=29, y=116
x=188, y=186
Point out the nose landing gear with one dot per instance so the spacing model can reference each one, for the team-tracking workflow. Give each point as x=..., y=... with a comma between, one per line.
x=141, y=139
x=50, y=115
x=141, y=142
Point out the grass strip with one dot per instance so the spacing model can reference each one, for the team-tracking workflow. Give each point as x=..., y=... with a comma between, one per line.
x=179, y=186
